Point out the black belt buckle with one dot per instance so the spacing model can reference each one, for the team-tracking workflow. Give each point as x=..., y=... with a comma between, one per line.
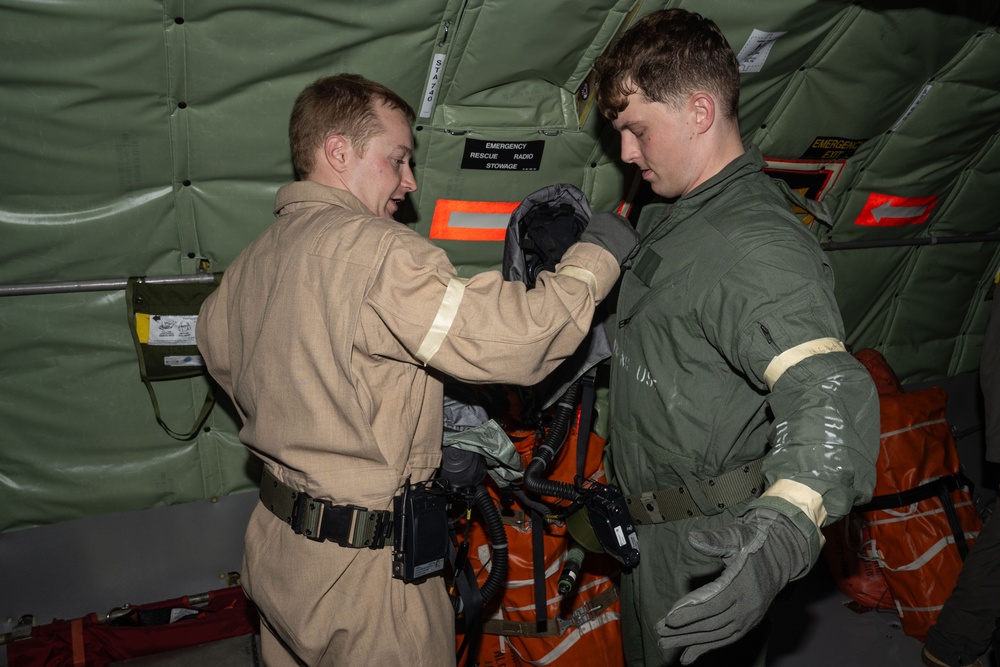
x=338, y=524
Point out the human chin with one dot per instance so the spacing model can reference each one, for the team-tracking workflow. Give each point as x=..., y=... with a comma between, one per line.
x=656, y=184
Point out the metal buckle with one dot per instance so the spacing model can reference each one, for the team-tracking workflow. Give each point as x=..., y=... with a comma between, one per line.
x=307, y=516
x=382, y=529
x=577, y=618
x=372, y=529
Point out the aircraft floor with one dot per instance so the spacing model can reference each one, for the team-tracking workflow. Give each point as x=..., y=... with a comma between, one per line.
x=813, y=626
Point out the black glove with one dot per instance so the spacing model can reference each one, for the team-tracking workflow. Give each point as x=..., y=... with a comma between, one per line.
x=763, y=551
x=613, y=233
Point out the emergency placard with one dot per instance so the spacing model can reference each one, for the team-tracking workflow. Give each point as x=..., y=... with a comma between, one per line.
x=502, y=155
x=166, y=329
x=832, y=148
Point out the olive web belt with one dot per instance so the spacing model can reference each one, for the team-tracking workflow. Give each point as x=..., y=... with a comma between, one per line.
x=321, y=520
x=676, y=503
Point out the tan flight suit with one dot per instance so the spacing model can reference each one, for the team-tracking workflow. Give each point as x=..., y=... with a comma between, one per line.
x=328, y=332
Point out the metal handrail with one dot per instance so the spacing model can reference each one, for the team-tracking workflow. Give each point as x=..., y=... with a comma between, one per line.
x=105, y=285
x=112, y=284
x=920, y=240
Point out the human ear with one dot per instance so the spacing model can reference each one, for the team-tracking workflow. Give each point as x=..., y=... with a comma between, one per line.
x=336, y=152
x=702, y=105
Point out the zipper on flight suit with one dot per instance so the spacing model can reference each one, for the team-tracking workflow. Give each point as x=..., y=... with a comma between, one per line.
x=767, y=336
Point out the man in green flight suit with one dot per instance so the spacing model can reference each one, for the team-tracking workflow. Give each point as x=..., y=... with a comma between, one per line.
x=739, y=423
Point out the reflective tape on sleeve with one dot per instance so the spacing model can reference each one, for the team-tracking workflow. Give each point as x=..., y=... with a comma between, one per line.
x=443, y=320
x=794, y=355
x=457, y=220
x=582, y=275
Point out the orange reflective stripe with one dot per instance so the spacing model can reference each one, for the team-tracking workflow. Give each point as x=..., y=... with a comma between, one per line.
x=458, y=220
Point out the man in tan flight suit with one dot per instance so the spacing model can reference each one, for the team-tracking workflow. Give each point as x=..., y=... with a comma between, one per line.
x=332, y=332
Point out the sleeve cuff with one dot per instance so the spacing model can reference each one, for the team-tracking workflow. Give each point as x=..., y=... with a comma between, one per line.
x=803, y=506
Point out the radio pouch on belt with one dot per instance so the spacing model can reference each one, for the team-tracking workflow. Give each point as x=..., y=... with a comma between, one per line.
x=162, y=317
x=420, y=532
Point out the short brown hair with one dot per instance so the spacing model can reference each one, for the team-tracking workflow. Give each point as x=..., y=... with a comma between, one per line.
x=666, y=56
x=343, y=104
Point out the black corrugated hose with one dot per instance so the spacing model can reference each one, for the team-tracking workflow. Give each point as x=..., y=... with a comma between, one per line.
x=546, y=452
x=498, y=542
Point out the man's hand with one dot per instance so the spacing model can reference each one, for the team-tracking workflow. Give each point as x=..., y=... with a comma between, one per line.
x=613, y=233
x=762, y=551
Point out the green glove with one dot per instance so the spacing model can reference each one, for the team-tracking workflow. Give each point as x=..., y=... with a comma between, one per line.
x=763, y=551
x=613, y=233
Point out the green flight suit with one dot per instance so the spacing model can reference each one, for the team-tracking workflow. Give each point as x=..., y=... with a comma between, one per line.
x=725, y=280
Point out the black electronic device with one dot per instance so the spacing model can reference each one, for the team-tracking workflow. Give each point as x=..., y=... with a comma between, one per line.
x=611, y=522
x=420, y=532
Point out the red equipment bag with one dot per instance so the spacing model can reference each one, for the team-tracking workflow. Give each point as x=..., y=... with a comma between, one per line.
x=857, y=578
x=922, y=519
x=584, y=628
x=137, y=631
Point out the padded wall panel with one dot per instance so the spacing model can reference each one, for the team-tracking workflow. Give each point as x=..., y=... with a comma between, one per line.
x=928, y=322
x=80, y=139
x=507, y=68
x=969, y=353
x=977, y=88
x=866, y=296
x=79, y=437
x=846, y=71
x=927, y=152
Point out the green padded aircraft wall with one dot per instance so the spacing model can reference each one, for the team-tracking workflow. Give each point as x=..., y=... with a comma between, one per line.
x=144, y=138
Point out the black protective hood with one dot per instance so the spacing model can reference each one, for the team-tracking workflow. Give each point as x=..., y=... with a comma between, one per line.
x=541, y=229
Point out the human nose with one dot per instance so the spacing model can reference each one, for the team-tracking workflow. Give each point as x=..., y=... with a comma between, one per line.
x=409, y=183
x=629, y=148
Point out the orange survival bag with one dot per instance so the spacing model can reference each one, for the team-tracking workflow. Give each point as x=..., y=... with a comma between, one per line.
x=922, y=520
x=580, y=629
